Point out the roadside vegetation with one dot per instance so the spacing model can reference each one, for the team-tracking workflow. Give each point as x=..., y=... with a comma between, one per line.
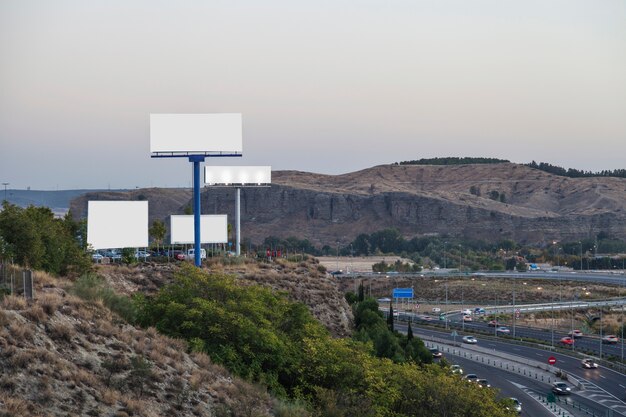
x=261, y=336
x=34, y=238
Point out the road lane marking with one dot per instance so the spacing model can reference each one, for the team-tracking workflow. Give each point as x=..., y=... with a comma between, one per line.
x=601, y=376
x=622, y=386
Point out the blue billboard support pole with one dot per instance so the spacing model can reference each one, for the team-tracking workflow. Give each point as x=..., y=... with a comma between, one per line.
x=196, y=159
x=238, y=221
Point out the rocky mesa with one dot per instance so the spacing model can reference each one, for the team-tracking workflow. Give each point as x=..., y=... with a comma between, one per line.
x=480, y=201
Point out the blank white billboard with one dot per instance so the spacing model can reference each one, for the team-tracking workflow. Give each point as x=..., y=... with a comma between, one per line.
x=196, y=133
x=117, y=224
x=213, y=229
x=238, y=175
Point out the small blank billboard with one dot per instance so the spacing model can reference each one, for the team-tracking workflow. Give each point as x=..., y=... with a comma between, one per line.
x=196, y=133
x=238, y=175
x=117, y=224
x=213, y=229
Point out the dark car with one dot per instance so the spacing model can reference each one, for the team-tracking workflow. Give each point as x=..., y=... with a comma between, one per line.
x=436, y=353
x=561, y=388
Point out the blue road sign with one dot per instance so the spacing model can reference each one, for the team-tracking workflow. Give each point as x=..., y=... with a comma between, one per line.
x=403, y=293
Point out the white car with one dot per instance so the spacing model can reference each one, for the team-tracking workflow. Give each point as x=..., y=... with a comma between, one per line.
x=470, y=339
x=503, y=329
x=588, y=364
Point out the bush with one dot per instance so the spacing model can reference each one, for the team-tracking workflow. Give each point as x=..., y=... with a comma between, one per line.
x=90, y=287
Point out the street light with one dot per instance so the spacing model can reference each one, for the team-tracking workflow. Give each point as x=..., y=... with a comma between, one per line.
x=5, y=190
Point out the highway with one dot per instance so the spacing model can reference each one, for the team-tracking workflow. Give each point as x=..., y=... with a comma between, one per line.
x=602, y=387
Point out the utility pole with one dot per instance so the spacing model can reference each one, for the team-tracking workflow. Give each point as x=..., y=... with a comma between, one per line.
x=5, y=190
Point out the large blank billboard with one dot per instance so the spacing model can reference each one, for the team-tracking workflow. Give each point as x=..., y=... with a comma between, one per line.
x=238, y=175
x=213, y=229
x=117, y=224
x=196, y=133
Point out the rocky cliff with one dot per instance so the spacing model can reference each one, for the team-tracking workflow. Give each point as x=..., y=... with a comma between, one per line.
x=491, y=202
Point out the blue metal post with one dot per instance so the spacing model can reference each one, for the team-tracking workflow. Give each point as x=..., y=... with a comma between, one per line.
x=196, y=159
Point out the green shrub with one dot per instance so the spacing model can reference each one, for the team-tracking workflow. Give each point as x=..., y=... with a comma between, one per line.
x=90, y=287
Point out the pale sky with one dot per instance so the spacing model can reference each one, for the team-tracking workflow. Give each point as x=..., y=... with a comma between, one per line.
x=324, y=86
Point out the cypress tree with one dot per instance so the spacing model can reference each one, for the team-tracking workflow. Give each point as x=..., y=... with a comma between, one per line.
x=409, y=333
x=361, y=292
x=390, y=317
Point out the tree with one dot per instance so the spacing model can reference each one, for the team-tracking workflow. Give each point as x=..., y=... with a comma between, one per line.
x=361, y=292
x=390, y=317
x=409, y=333
x=157, y=232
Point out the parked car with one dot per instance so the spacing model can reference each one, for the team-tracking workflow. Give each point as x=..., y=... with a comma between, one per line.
x=469, y=339
x=471, y=377
x=588, y=364
x=191, y=254
x=567, y=341
x=610, y=338
x=483, y=383
x=142, y=254
x=503, y=329
x=97, y=257
x=456, y=369
x=576, y=334
x=467, y=318
x=561, y=388
x=436, y=353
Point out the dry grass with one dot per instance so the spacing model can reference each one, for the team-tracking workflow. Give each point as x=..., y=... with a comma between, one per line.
x=109, y=396
x=36, y=314
x=20, y=332
x=50, y=303
x=13, y=302
x=13, y=407
x=61, y=332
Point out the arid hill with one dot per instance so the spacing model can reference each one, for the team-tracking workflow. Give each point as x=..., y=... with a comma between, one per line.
x=62, y=356
x=485, y=201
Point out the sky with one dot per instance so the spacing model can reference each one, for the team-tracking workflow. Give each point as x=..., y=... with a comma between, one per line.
x=323, y=86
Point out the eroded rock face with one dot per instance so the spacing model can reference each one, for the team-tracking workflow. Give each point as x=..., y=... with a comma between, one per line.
x=489, y=202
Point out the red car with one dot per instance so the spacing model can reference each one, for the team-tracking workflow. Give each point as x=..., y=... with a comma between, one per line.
x=493, y=323
x=567, y=341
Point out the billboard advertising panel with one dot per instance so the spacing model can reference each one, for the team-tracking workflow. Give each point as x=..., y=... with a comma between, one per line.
x=196, y=133
x=213, y=229
x=117, y=224
x=238, y=175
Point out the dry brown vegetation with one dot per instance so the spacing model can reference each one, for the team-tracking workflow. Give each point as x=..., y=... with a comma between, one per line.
x=62, y=356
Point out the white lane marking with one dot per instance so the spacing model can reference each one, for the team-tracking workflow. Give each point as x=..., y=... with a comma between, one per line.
x=601, y=376
x=622, y=386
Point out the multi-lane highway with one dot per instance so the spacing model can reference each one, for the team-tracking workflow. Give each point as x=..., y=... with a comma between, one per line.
x=601, y=387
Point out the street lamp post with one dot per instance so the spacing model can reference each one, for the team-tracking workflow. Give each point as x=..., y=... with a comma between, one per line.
x=5, y=190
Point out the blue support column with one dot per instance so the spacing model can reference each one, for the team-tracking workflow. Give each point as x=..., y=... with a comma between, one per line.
x=196, y=159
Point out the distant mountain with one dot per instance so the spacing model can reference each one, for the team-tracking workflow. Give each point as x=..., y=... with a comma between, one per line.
x=58, y=201
x=482, y=201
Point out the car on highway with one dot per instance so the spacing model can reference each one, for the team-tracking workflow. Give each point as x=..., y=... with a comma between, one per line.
x=466, y=312
x=503, y=330
x=471, y=377
x=493, y=323
x=576, y=334
x=610, y=339
x=561, y=388
x=467, y=318
x=517, y=405
x=436, y=353
x=469, y=339
x=568, y=341
x=588, y=364
x=483, y=383
x=456, y=369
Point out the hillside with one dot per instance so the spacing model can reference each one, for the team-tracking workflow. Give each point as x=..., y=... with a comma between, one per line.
x=61, y=356
x=482, y=201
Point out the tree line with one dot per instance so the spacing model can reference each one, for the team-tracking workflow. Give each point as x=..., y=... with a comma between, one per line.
x=453, y=160
x=575, y=173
